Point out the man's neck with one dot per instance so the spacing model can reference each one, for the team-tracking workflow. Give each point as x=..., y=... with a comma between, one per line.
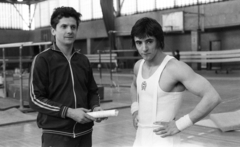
x=65, y=49
x=157, y=60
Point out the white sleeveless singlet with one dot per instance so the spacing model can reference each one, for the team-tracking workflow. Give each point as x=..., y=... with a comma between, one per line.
x=155, y=105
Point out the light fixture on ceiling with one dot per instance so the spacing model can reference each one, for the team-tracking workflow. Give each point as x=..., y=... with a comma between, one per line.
x=19, y=0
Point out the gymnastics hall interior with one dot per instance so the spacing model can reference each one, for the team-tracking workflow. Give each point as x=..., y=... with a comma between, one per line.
x=205, y=32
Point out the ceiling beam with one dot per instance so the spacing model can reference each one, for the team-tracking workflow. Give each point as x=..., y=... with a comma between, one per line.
x=28, y=2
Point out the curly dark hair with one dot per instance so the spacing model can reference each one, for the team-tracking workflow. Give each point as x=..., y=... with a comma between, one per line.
x=61, y=12
x=148, y=27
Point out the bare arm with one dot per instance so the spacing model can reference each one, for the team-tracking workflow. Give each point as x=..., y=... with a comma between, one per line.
x=133, y=89
x=195, y=84
x=202, y=88
x=134, y=95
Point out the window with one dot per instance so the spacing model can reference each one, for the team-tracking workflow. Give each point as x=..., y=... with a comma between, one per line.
x=17, y=16
x=97, y=11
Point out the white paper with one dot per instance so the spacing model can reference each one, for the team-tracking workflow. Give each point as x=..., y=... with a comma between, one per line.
x=105, y=113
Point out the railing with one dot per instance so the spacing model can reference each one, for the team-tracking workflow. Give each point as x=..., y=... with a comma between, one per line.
x=203, y=57
x=16, y=60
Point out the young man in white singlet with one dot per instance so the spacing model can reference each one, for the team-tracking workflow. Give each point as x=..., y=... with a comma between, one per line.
x=156, y=91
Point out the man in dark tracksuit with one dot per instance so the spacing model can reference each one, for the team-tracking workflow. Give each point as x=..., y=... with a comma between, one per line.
x=62, y=87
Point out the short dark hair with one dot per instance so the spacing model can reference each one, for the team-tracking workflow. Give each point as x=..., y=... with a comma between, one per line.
x=147, y=27
x=61, y=12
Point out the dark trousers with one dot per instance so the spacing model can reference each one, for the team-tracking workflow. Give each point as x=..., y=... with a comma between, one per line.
x=53, y=140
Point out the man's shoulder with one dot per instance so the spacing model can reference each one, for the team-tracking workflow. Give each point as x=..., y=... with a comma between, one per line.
x=44, y=55
x=82, y=56
x=79, y=53
x=137, y=65
x=45, y=52
x=178, y=68
x=138, y=62
x=175, y=64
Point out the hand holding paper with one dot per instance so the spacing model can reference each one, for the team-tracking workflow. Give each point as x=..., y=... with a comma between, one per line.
x=102, y=114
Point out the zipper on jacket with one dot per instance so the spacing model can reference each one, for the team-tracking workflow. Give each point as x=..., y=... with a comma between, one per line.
x=69, y=62
x=75, y=99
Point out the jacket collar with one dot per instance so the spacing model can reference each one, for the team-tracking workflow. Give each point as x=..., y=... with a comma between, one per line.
x=55, y=48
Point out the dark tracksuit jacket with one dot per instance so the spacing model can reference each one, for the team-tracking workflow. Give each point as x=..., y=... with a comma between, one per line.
x=57, y=84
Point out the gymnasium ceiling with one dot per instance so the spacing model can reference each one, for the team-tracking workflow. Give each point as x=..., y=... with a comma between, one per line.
x=23, y=1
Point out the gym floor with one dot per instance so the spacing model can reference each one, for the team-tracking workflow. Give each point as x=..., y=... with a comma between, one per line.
x=119, y=132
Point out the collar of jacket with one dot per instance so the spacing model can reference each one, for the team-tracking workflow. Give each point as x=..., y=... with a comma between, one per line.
x=55, y=48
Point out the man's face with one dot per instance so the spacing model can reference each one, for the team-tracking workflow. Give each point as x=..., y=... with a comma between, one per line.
x=66, y=30
x=147, y=47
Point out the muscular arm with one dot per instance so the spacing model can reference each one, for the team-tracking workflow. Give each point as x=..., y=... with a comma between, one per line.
x=199, y=86
x=195, y=84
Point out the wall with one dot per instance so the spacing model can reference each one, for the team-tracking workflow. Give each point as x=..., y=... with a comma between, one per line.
x=81, y=44
x=13, y=36
x=221, y=22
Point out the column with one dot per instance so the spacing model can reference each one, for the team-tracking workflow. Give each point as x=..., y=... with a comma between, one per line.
x=89, y=42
